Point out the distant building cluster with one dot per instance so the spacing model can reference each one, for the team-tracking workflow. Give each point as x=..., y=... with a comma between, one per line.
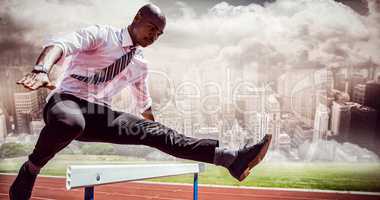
x=345, y=107
x=21, y=109
x=298, y=106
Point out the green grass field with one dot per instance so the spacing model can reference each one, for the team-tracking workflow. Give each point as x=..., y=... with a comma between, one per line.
x=329, y=176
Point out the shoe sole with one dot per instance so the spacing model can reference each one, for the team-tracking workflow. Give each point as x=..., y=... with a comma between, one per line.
x=257, y=160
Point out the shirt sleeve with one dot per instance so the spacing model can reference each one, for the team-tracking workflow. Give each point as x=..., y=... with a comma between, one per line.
x=141, y=93
x=85, y=39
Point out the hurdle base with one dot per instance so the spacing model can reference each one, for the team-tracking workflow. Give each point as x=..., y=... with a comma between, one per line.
x=89, y=193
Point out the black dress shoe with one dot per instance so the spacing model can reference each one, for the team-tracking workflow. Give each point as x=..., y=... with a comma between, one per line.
x=22, y=187
x=248, y=157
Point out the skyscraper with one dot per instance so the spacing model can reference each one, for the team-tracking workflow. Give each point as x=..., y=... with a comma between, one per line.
x=3, y=127
x=26, y=104
x=321, y=122
x=171, y=117
x=340, y=120
x=363, y=126
x=302, y=133
x=303, y=105
x=356, y=79
x=325, y=97
x=273, y=112
x=368, y=95
x=287, y=86
x=340, y=81
x=372, y=95
x=359, y=93
x=9, y=75
x=255, y=126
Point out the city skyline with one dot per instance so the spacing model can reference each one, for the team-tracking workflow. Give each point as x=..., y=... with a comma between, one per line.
x=301, y=70
x=250, y=111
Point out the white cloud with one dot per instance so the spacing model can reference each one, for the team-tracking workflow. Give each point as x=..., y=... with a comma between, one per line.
x=51, y=17
x=288, y=33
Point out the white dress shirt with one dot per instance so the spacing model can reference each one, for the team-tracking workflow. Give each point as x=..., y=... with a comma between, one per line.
x=94, y=48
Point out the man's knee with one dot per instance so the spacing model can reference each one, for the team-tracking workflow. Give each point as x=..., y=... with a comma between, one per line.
x=68, y=122
x=73, y=124
x=66, y=118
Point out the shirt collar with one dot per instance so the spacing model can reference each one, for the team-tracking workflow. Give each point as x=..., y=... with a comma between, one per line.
x=126, y=40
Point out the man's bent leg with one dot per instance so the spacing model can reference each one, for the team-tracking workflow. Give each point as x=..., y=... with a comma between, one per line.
x=64, y=122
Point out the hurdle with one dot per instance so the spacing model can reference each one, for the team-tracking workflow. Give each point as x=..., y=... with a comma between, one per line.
x=89, y=176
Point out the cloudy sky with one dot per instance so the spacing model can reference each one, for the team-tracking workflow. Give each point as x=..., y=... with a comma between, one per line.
x=263, y=35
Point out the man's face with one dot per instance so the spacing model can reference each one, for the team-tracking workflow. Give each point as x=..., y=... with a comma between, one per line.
x=147, y=31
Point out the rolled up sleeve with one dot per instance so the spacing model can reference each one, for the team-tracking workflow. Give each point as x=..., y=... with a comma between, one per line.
x=141, y=93
x=85, y=39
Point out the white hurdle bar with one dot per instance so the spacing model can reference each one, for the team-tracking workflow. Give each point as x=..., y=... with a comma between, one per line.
x=88, y=176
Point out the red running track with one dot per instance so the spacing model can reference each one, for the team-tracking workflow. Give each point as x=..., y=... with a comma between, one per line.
x=49, y=188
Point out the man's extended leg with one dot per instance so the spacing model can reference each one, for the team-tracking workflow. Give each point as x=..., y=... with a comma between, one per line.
x=239, y=162
x=128, y=129
x=64, y=122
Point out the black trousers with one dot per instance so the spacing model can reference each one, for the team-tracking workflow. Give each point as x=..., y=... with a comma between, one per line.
x=70, y=118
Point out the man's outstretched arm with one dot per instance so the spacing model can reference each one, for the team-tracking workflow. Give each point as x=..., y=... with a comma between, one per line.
x=84, y=39
x=39, y=77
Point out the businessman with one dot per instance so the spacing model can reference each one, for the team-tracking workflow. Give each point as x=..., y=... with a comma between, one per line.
x=103, y=61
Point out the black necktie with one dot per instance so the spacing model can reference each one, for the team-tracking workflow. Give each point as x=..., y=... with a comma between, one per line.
x=109, y=72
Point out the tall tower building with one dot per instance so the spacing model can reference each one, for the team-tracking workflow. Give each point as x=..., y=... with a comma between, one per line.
x=9, y=75
x=372, y=95
x=356, y=79
x=358, y=94
x=187, y=102
x=255, y=117
x=363, y=126
x=303, y=105
x=255, y=127
x=26, y=104
x=368, y=95
x=287, y=87
x=273, y=120
x=3, y=127
x=171, y=118
x=340, y=120
x=322, y=96
x=302, y=133
x=340, y=80
x=321, y=122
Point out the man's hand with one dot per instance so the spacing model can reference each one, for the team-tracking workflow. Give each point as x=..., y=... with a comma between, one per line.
x=39, y=76
x=148, y=114
x=35, y=80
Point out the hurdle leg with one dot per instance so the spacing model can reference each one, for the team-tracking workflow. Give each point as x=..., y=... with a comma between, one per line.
x=89, y=193
x=195, y=185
